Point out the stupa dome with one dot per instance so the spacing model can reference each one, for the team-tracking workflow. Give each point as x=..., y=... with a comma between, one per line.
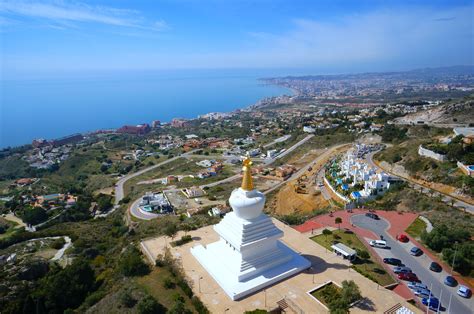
x=247, y=204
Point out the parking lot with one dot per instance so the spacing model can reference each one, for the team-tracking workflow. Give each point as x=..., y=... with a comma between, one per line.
x=419, y=265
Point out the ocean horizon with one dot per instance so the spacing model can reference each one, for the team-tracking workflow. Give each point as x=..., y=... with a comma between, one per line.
x=54, y=107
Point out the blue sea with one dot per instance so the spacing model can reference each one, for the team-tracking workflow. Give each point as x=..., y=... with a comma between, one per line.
x=55, y=106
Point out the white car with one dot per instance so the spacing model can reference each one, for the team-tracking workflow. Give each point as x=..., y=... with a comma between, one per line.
x=417, y=285
x=464, y=291
x=378, y=243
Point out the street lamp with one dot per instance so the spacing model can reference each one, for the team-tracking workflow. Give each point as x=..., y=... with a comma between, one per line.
x=449, y=305
x=199, y=284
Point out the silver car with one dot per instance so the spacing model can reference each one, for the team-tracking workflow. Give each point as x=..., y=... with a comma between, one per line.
x=417, y=285
x=401, y=269
x=422, y=293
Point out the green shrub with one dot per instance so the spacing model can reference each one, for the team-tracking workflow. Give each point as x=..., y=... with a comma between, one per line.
x=58, y=243
x=126, y=298
x=94, y=298
x=168, y=283
x=184, y=239
x=185, y=287
x=148, y=305
x=199, y=306
x=131, y=263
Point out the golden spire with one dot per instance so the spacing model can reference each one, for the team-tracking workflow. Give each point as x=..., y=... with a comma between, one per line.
x=247, y=181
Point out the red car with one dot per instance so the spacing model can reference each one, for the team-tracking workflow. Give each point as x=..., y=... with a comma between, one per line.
x=402, y=238
x=408, y=277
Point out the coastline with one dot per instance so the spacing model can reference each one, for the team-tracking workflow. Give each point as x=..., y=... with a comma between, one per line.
x=243, y=107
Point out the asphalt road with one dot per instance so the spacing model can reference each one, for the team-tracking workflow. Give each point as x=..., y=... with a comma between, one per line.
x=419, y=265
x=147, y=216
x=136, y=212
x=446, y=198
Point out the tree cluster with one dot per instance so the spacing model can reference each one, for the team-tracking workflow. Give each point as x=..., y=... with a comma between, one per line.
x=451, y=239
x=391, y=133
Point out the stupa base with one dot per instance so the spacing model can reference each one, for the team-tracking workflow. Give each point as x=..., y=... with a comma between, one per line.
x=214, y=262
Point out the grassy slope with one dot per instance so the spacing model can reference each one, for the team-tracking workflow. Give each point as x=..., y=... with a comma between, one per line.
x=370, y=267
x=416, y=228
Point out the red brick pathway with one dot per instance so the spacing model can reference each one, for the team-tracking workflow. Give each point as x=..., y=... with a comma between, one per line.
x=398, y=222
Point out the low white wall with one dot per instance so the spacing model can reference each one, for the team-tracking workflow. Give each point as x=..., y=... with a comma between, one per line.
x=429, y=226
x=430, y=154
x=342, y=197
x=465, y=169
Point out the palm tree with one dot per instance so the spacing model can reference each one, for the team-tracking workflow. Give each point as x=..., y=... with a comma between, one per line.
x=338, y=220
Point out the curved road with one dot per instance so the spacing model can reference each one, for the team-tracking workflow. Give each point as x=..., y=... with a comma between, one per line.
x=448, y=199
x=119, y=194
x=419, y=265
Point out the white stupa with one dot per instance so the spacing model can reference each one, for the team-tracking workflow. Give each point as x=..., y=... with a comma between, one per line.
x=248, y=256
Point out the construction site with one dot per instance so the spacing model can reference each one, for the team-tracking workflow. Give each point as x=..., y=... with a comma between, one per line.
x=303, y=194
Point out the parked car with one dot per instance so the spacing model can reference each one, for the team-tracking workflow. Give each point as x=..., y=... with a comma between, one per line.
x=373, y=216
x=415, y=251
x=378, y=243
x=450, y=281
x=431, y=302
x=422, y=293
x=435, y=267
x=408, y=277
x=392, y=261
x=417, y=285
x=401, y=269
x=403, y=238
x=464, y=291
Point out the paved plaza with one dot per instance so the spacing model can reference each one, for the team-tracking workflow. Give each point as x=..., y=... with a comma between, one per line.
x=326, y=266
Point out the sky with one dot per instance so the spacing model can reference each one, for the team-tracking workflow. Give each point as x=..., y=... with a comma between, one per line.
x=41, y=37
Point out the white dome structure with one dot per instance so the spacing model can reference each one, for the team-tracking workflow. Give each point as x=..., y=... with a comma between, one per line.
x=250, y=256
x=247, y=204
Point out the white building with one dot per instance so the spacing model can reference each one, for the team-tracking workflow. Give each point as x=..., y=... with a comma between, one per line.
x=357, y=171
x=205, y=163
x=309, y=129
x=193, y=192
x=248, y=257
x=254, y=152
x=272, y=153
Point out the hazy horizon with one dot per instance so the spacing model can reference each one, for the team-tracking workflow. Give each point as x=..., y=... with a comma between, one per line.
x=55, y=37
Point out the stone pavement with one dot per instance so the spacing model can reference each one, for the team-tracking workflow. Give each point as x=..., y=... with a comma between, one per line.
x=326, y=266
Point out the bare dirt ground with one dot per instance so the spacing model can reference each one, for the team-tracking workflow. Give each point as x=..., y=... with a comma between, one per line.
x=108, y=191
x=181, y=203
x=288, y=200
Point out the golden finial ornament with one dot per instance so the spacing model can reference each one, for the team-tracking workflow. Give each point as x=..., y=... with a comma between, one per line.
x=247, y=180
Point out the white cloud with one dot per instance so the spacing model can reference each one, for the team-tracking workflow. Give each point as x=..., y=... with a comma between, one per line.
x=378, y=36
x=61, y=12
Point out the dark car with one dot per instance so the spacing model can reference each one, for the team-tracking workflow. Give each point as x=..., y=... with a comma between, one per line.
x=408, y=277
x=450, y=281
x=432, y=302
x=392, y=261
x=415, y=251
x=373, y=216
x=436, y=267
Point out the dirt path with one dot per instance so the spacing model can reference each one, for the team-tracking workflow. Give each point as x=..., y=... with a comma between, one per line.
x=15, y=219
